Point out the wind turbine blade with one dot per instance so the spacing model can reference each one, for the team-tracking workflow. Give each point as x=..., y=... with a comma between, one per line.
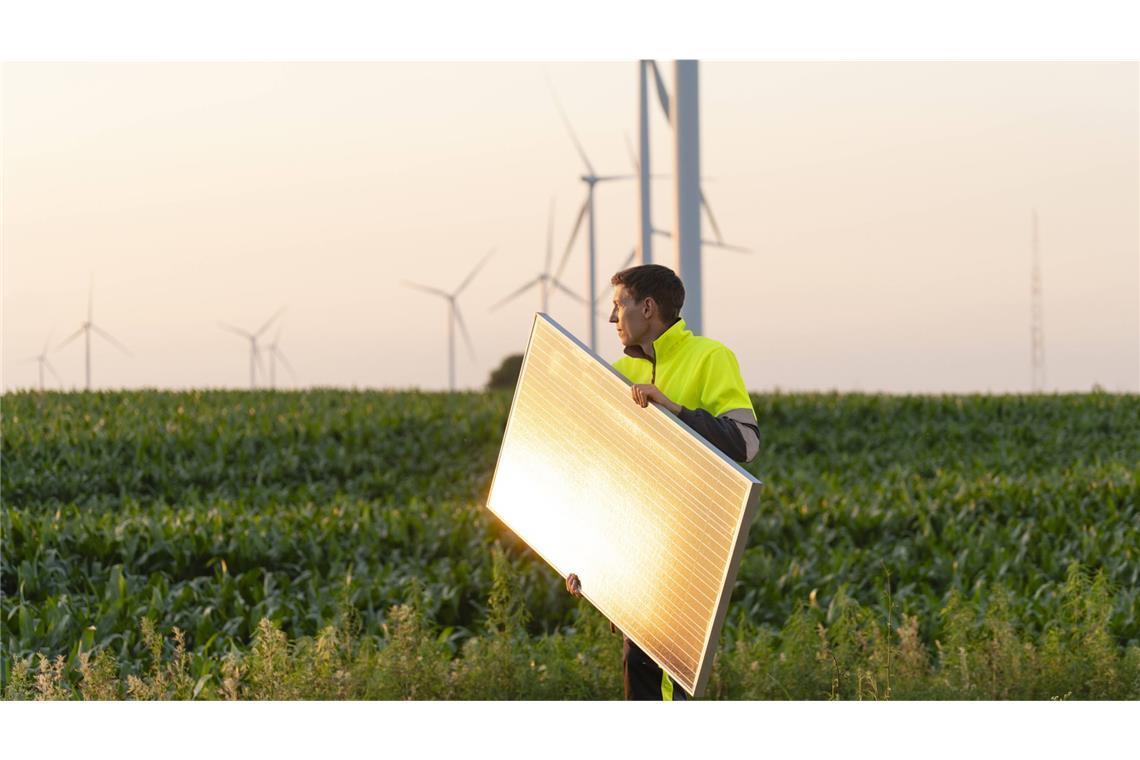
x=566, y=121
x=726, y=246
x=549, y=237
x=463, y=329
x=709, y=243
x=235, y=330
x=91, y=297
x=111, y=339
x=277, y=352
x=632, y=153
x=568, y=292
x=603, y=293
x=612, y=177
x=517, y=293
x=662, y=93
x=474, y=272
x=268, y=322
x=53, y=372
x=277, y=335
x=72, y=337
x=573, y=237
x=47, y=342
x=712, y=219
x=426, y=289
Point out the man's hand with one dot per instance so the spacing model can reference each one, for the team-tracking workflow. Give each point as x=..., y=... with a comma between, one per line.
x=574, y=586
x=645, y=392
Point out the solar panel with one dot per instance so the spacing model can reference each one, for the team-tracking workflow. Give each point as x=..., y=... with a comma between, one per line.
x=650, y=516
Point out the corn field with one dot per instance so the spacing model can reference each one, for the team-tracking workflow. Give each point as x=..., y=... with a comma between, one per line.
x=333, y=544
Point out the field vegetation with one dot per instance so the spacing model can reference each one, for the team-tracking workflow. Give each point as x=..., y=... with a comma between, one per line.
x=333, y=544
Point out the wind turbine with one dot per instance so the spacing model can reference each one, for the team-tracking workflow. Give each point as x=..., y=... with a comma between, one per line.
x=254, y=353
x=545, y=281
x=86, y=329
x=717, y=243
x=454, y=316
x=591, y=178
x=684, y=118
x=43, y=362
x=644, y=175
x=276, y=353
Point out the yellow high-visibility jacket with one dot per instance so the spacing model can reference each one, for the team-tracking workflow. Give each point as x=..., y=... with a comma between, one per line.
x=703, y=376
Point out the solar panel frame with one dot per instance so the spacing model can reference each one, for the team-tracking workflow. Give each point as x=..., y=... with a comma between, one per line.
x=646, y=426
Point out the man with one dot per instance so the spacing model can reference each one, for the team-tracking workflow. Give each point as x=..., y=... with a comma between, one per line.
x=693, y=377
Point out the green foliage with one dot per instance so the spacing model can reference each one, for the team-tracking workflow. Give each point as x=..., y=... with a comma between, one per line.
x=506, y=375
x=332, y=544
x=840, y=654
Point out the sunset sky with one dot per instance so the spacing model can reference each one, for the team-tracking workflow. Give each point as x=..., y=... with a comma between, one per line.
x=888, y=206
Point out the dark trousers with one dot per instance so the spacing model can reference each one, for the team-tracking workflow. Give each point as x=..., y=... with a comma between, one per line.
x=643, y=676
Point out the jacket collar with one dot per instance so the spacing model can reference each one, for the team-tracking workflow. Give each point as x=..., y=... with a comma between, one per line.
x=666, y=342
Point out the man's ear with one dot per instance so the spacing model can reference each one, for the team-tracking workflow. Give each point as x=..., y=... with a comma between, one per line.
x=650, y=307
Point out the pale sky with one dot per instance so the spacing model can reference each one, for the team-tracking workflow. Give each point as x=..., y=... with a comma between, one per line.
x=888, y=206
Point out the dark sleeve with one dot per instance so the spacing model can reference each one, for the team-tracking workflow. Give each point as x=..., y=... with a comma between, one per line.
x=719, y=431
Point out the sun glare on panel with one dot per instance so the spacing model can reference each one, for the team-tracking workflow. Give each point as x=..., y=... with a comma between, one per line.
x=645, y=513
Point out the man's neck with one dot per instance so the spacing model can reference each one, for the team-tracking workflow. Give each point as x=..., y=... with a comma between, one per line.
x=655, y=332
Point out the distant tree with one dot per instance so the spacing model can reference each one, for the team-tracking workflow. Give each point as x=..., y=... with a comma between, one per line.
x=507, y=375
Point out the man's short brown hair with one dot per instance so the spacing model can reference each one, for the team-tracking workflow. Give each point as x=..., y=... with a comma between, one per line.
x=656, y=282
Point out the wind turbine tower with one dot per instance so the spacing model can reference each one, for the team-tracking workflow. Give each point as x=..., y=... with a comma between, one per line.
x=643, y=179
x=685, y=117
x=1037, y=328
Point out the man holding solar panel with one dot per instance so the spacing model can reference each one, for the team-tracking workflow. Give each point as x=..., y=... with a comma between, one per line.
x=695, y=378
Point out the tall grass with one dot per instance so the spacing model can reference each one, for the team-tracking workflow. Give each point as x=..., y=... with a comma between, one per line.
x=844, y=652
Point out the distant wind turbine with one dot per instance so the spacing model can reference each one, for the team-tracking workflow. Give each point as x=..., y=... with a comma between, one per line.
x=454, y=316
x=254, y=352
x=41, y=358
x=276, y=353
x=591, y=178
x=87, y=328
x=545, y=281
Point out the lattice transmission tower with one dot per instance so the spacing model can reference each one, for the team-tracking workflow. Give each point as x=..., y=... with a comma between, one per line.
x=1037, y=328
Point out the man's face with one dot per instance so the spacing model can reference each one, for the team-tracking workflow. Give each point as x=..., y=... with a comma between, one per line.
x=629, y=316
